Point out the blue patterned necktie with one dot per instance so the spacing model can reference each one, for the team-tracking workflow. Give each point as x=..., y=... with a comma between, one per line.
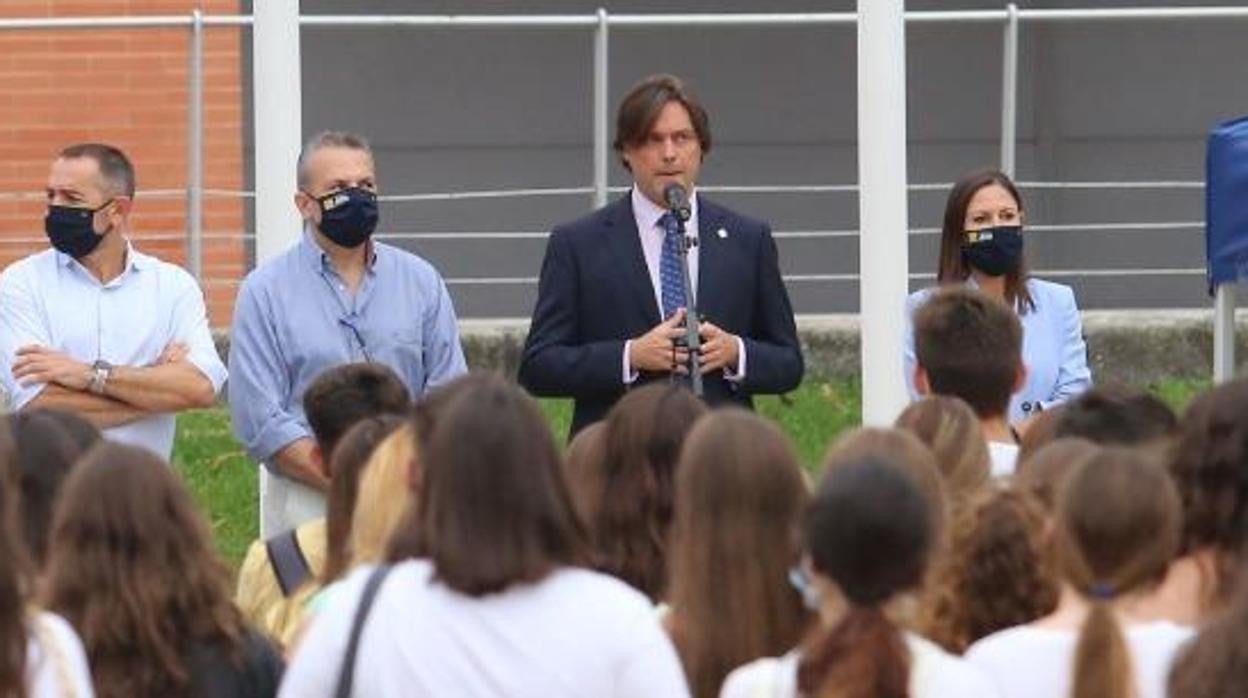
x=671, y=279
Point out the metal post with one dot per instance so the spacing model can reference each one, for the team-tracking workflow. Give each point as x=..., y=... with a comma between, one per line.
x=278, y=106
x=601, y=75
x=195, y=149
x=1224, y=333
x=883, y=214
x=1009, y=91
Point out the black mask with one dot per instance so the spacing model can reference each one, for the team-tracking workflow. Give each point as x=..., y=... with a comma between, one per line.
x=349, y=216
x=71, y=231
x=994, y=251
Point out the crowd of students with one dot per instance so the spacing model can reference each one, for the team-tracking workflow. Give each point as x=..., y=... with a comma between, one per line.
x=671, y=551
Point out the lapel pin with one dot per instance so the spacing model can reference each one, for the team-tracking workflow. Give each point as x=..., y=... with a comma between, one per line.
x=722, y=233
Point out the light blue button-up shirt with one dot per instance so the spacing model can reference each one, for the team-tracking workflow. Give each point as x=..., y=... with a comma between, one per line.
x=295, y=318
x=51, y=300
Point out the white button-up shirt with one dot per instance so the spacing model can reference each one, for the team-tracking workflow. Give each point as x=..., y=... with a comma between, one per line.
x=50, y=299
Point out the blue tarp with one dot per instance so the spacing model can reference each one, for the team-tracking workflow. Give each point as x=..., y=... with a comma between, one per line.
x=1226, y=203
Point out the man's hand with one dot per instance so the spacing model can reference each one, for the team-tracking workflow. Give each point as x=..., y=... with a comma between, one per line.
x=172, y=353
x=653, y=351
x=37, y=364
x=719, y=348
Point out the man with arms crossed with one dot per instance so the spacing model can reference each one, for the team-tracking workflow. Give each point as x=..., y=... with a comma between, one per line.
x=95, y=327
x=610, y=304
x=336, y=297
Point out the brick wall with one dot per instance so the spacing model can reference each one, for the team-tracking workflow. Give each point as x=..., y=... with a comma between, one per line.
x=127, y=87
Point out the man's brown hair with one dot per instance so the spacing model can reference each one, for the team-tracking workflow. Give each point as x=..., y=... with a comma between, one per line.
x=640, y=108
x=970, y=345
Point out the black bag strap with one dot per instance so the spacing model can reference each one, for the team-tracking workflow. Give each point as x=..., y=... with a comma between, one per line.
x=346, y=674
x=289, y=564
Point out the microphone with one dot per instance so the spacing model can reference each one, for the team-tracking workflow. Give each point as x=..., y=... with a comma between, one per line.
x=677, y=200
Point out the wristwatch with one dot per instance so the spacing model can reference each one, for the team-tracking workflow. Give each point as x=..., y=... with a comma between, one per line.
x=100, y=371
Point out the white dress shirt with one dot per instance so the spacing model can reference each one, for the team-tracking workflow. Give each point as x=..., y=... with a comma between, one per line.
x=50, y=299
x=647, y=214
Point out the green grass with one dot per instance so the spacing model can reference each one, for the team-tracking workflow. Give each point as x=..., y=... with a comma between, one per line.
x=224, y=480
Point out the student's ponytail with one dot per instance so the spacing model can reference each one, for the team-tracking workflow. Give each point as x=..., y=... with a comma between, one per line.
x=1117, y=527
x=868, y=533
x=863, y=656
x=1102, y=666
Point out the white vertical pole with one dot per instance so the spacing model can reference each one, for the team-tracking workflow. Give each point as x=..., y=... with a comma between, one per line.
x=278, y=107
x=195, y=149
x=883, y=217
x=601, y=85
x=1009, y=91
x=1224, y=333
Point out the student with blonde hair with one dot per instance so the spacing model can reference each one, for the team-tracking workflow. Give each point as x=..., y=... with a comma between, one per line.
x=949, y=427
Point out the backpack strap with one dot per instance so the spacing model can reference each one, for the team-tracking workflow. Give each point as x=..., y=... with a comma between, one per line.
x=346, y=674
x=289, y=564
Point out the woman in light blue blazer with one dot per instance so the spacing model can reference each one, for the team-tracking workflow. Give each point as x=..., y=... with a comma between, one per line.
x=981, y=244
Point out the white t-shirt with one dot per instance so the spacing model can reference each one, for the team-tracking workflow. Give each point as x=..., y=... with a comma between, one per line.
x=48, y=668
x=1030, y=662
x=575, y=633
x=1004, y=457
x=934, y=673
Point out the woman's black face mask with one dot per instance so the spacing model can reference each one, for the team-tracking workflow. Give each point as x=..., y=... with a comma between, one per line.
x=993, y=251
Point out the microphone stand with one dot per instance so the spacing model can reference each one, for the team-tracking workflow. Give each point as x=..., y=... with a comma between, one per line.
x=693, y=340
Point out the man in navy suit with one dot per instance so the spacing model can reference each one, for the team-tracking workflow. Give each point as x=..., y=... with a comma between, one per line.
x=609, y=315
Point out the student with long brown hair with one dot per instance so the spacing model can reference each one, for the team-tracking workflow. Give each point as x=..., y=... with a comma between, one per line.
x=995, y=575
x=867, y=535
x=1209, y=464
x=132, y=567
x=740, y=497
x=487, y=595
x=47, y=444
x=1116, y=528
x=641, y=444
x=40, y=654
x=1215, y=663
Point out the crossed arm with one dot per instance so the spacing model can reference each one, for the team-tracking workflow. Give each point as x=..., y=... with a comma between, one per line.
x=131, y=393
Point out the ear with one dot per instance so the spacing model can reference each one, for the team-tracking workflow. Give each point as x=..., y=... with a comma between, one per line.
x=318, y=460
x=1020, y=378
x=308, y=207
x=122, y=205
x=921, y=382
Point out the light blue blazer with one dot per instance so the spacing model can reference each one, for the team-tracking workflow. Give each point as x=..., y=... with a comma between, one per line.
x=1053, y=349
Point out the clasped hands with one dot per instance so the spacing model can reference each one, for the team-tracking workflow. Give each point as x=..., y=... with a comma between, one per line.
x=40, y=364
x=657, y=351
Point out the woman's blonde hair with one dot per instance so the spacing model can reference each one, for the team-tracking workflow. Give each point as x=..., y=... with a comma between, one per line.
x=384, y=497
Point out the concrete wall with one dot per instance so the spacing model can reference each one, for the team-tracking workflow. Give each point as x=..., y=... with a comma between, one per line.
x=485, y=109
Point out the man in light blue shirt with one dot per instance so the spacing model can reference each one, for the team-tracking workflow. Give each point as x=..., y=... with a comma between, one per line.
x=337, y=296
x=94, y=327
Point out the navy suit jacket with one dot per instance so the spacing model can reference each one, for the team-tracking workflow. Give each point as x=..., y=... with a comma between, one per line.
x=595, y=293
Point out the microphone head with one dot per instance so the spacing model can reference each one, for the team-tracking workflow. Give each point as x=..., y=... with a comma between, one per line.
x=674, y=195
x=677, y=200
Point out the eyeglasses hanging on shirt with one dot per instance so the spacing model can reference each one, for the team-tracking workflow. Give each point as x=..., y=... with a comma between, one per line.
x=349, y=322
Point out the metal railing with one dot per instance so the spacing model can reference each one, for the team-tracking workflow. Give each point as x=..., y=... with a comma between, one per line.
x=601, y=24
